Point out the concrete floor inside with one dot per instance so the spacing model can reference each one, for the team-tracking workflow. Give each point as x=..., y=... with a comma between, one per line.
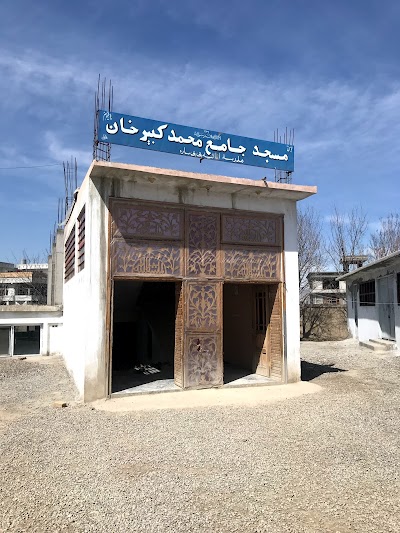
x=150, y=380
x=144, y=379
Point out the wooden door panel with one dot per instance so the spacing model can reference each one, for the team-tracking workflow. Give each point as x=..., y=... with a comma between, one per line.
x=260, y=330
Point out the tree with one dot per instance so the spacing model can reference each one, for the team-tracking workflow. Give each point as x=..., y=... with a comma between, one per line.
x=311, y=259
x=347, y=236
x=310, y=247
x=386, y=239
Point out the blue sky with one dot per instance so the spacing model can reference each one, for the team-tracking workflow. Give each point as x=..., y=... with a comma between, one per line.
x=330, y=70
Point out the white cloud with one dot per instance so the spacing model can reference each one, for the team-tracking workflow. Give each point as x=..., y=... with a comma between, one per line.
x=59, y=152
x=333, y=121
x=374, y=226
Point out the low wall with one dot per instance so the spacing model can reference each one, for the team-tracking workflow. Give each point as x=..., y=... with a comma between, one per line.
x=323, y=323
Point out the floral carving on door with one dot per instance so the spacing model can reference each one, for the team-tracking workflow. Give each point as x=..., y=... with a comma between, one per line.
x=202, y=243
x=203, y=302
x=142, y=222
x=249, y=230
x=203, y=367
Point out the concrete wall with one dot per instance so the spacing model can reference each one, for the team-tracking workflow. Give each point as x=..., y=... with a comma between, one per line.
x=368, y=316
x=324, y=323
x=85, y=302
x=353, y=329
x=48, y=318
x=292, y=314
x=76, y=300
x=55, y=274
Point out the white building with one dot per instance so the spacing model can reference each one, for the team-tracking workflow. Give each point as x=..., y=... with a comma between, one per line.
x=179, y=277
x=27, y=326
x=326, y=289
x=23, y=284
x=30, y=330
x=373, y=300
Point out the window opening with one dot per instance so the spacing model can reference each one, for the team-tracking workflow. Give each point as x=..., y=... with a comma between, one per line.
x=367, y=293
x=330, y=284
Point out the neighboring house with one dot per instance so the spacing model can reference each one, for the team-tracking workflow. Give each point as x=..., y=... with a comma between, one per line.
x=323, y=311
x=27, y=325
x=23, y=284
x=30, y=330
x=325, y=289
x=373, y=299
x=7, y=267
x=185, y=279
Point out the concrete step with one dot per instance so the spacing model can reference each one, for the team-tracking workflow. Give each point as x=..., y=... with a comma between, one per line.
x=371, y=346
x=379, y=345
x=388, y=345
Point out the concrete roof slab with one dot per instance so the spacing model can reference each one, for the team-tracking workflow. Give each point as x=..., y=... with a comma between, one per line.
x=194, y=180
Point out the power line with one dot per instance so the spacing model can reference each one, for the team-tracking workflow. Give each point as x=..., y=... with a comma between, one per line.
x=33, y=166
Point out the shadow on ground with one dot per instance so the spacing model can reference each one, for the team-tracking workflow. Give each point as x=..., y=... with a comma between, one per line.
x=310, y=371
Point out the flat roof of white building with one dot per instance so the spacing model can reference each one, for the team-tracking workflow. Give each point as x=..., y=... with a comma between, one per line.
x=382, y=262
x=195, y=180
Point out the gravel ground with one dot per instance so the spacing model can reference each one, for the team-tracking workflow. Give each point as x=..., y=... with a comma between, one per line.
x=325, y=462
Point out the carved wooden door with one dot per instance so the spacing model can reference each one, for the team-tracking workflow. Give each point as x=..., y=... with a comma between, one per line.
x=203, y=334
x=179, y=334
x=260, y=330
x=275, y=331
x=203, y=302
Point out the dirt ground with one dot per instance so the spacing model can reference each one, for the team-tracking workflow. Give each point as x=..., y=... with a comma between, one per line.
x=322, y=458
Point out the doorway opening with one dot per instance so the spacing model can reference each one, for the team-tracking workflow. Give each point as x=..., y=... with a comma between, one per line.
x=386, y=307
x=20, y=340
x=5, y=340
x=245, y=334
x=26, y=340
x=143, y=341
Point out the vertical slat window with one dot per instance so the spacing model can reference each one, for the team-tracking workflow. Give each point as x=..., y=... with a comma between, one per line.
x=69, y=270
x=81, y=240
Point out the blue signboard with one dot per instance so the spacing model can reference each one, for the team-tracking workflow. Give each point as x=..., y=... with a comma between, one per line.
x=193, y=142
